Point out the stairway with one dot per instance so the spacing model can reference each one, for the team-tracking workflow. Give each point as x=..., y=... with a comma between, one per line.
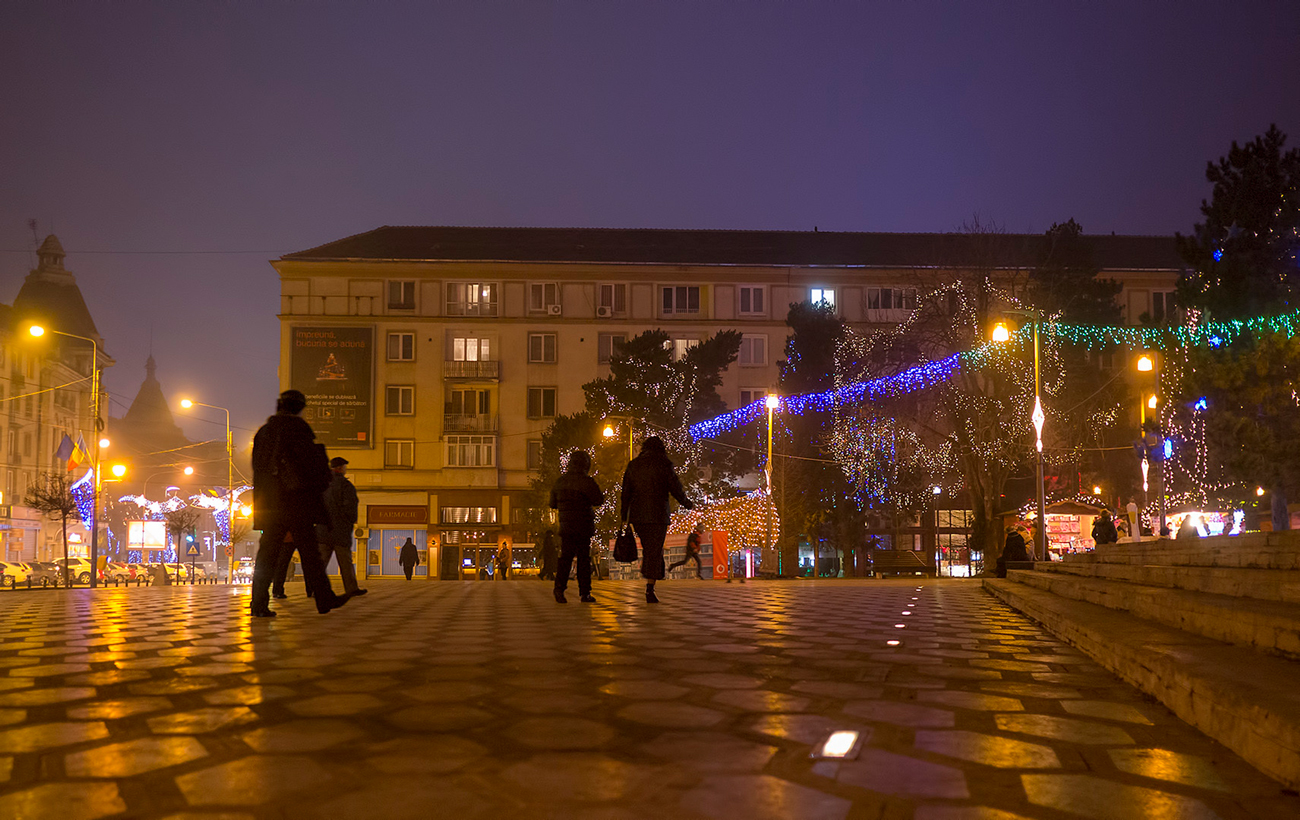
x=1209, y=627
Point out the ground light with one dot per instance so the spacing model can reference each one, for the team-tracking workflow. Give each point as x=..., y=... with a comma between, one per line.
x=843, y=744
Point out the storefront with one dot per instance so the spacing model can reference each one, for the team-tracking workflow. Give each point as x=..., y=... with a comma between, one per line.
x=389, y=527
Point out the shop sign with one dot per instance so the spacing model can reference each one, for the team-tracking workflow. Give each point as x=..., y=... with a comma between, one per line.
x=332, y=366
x=380, y=515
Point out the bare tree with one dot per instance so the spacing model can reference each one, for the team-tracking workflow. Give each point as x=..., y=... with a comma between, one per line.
x=51, y=494
x=179, y=521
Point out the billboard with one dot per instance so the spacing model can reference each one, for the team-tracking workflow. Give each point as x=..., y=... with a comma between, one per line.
x=146, y=535
x=333, y=367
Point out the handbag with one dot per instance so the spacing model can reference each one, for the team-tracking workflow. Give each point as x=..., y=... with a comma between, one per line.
x=625, y=546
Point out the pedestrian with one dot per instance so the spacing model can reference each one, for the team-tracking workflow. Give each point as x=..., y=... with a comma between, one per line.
x=503, y=562
x=1188, y=528
x=336, y=538
x=1013, y=550
x=290, y=474
x=692, y=551
x=648, y=482
x=1103, y=529
x=550, y=556
x=576, y=496
x=409, y=558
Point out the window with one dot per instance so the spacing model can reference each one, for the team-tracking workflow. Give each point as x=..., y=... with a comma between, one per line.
x=679, y=347
x=750, y=395
x=679, y=300
x=822, y=296
x=753, y=350
x=401, y=347
x=468, y=349
x=534, y=454
x=471, y=451
x=613, y=300
x=544, y=297
x=467, y=515
x=1162, y=306
x=890, y=299
x=401, y=296
x=27, y=444
x=400, y=400
x=752, y=302
x=541, y=348
x=399, y=452
x=607, y=345
x=471, y=299
x=541, y=402
x=468, y=403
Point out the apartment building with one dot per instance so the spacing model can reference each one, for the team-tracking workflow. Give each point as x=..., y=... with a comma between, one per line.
x=45, y=392
x=434, y=358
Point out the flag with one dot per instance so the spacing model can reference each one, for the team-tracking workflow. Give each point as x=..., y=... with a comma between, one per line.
x=65, y=449
x=79, y=454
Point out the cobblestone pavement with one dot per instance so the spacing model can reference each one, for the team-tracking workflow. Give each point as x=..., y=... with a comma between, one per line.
x=467, y=700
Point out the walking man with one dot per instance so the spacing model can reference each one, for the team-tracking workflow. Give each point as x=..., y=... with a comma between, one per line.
x=336, y=538
x=692, y=551
x=409, y=558
x=290, y=474
x=576, y=496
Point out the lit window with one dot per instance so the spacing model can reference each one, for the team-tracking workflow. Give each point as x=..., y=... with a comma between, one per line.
x=820, y=296
x=471, y=451
x=471, y=299
x=467, y=349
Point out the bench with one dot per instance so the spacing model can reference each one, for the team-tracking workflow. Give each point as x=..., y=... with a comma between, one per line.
x=899, y=562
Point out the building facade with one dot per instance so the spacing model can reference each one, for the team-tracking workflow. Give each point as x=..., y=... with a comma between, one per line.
x=435, y=358
x=45, y=393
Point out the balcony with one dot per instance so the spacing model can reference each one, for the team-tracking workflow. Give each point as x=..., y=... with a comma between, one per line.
x=459, y=423
x=471, y=370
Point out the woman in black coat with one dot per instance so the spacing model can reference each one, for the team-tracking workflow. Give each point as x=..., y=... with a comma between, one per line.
x=647, y=483
x=409, y=558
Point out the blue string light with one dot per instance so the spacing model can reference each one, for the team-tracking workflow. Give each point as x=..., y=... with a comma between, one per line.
x=83, y=492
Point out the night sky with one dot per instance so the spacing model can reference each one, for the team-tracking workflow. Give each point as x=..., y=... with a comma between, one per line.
x=176, y=147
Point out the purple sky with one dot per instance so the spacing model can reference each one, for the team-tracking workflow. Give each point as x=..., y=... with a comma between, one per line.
x=254, y=129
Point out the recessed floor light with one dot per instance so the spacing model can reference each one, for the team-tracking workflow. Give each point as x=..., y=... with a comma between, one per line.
x=892, y=643
x=900, y=626
x=843, y=744
x=907, y=612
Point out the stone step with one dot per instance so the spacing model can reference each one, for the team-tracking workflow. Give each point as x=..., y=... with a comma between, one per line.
x=1252, y=550
x=1268, y=626
x=1263, y=584
x=1244, y=699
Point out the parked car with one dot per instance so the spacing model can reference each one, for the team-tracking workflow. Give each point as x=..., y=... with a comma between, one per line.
x=42, y=573
x=139, y=570
x=79, y=569
x=117, y=571
x=12, y=573
x=178, y=572
x=244, y=571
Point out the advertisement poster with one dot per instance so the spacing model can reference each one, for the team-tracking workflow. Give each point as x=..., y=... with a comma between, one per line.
x=333, y=367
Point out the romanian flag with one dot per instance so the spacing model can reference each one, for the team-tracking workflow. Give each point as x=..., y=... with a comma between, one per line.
x=66, y=448
x=80, y=454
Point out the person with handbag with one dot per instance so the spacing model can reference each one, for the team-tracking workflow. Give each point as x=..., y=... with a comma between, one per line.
x=290, y=474
x=648, y=482
x=576, y=496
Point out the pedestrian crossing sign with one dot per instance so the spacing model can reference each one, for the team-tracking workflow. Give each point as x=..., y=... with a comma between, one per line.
x=193, y=551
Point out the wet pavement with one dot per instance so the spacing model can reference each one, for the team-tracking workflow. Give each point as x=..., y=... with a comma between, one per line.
x=482, y=699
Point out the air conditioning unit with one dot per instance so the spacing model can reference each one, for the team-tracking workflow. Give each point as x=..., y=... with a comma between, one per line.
x=554, y=310
x=604, y=312
x=361, y=532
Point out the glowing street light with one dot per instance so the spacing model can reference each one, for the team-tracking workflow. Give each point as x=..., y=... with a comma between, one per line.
x=1259, y=491
x=610, y=432
x=772, y=402
x=118, y=470
x=188, y=470
x=1145, y=363
x=1038, y=417
x=1000, y=333
x=1096, y=491
x=230, y=476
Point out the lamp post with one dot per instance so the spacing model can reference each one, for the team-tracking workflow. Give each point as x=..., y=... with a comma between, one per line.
x=610, y=432
x=1001, y=334
x=38, y=331
x=1149, y=362
x=772, y=402
x=230, y=484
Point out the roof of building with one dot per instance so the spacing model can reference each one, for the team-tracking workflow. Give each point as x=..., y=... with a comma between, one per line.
x=721, y=247
x=50, y=295
x=149, y=418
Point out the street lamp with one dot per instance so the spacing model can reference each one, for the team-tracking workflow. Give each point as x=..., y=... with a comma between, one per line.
x=609, y=432
x=772, y=403
x=1001, y=334
x=38, y=331
x=230, y=482
x=1149, y=362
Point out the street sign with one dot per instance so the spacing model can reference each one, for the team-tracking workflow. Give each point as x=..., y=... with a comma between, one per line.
x=193, y=551
x=230, y=549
